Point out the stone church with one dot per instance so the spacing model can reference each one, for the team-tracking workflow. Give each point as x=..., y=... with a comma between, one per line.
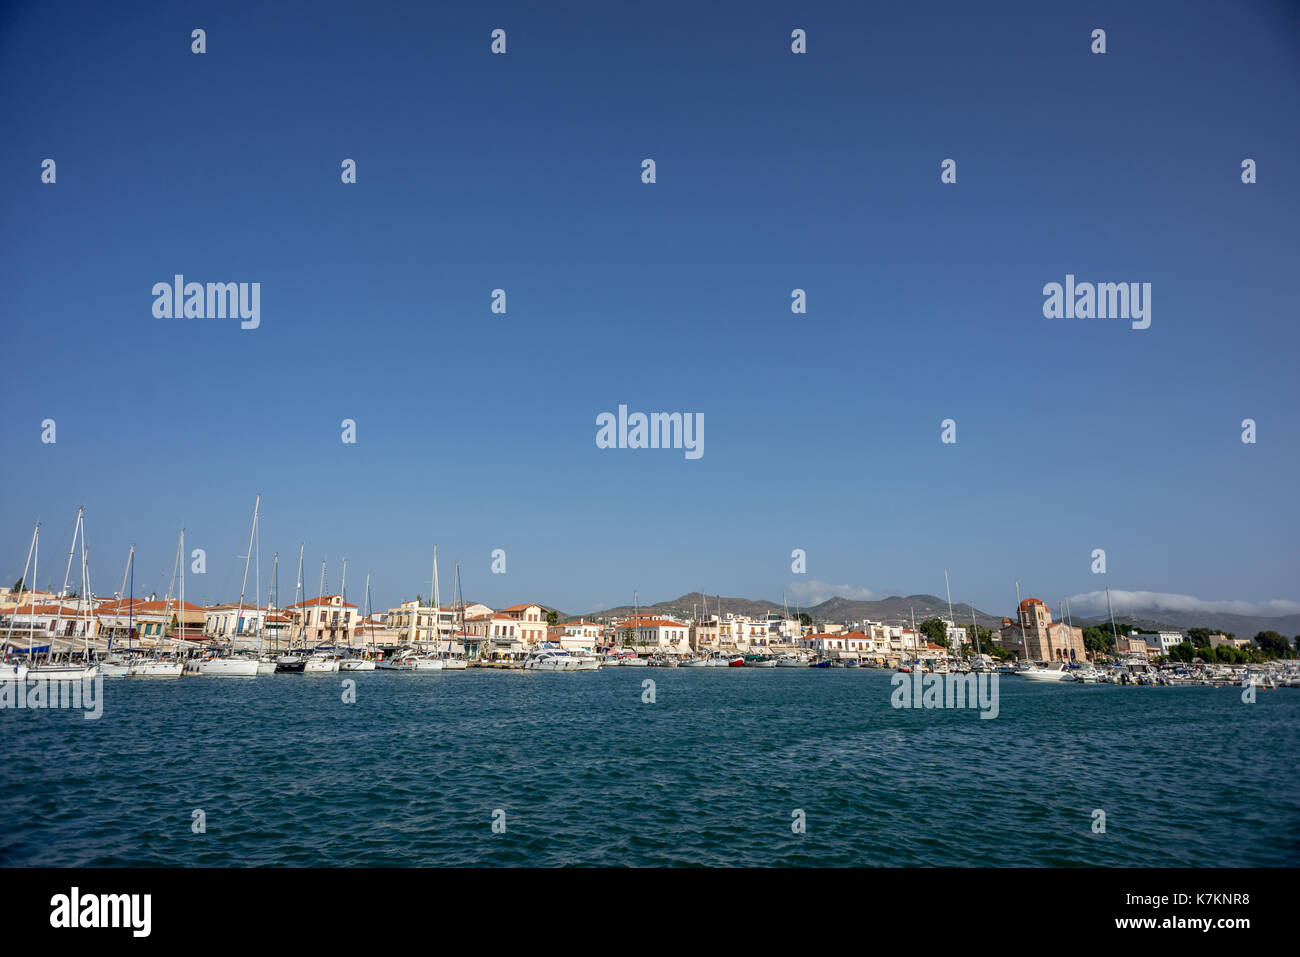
x=1044, y=639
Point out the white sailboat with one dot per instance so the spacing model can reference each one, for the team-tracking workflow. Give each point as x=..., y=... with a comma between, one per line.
x=361, y=662
x=68, y=670
x=452, y=661
x=320, y=662
x=159, y=666
x=232, y=665
x=116, y=666
x=293, y=662
x=17, y=670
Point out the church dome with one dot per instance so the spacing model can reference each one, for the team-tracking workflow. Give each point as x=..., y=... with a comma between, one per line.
x=1029, y=603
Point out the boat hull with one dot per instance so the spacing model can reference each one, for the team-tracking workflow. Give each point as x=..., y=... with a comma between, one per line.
x=156, y=669
x=61, y=672
x=356, y=664
x=229, y=668
x=13, y=672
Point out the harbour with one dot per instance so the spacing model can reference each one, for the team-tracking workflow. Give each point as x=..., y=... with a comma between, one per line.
x=586, y=773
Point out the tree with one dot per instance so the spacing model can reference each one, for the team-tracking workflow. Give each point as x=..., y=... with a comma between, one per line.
x=1097, y=638
x=1273, y=644
x=1200, y=637
x=18, y=585
x=935, y=631
x=1183, y=651
x=552, y=617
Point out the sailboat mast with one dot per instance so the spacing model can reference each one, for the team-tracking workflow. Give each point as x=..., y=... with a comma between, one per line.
x=297, y=588
x=372, y=631
x=243, y=588
x=948, y=588
x=130, y=606
x=180, y=554
x=975, y=629
x=85, y=600
x=273, y=600
x=1021, y=618
x=437, y=604
x=1114, y=639
x=63, y=594
x=320, y=599
x=31, y=550
x=343, y=597
x=257, y=588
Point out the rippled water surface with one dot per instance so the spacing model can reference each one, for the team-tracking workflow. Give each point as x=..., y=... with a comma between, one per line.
x=588, y=774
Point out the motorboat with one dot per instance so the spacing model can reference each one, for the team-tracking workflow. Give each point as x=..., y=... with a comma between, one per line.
x=1057, y=671
x=291, y=664
x=356, y=664
x=551, y=659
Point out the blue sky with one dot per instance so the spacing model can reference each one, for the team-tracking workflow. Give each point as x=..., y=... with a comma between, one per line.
x=775, y=171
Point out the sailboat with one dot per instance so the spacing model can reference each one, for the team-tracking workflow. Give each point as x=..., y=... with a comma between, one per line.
x=158, y=666
x=294, y=662
x=68, y=670
x=119, y=667
x=321, y=662
x=355, y=662
x=17, y=670
x=233, y=665
x=451, y=662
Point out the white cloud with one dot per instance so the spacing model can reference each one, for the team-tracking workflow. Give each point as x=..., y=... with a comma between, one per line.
x=1133, y=602
x=815, y=592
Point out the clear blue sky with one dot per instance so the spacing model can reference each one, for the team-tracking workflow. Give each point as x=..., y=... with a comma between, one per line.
x=775, y=171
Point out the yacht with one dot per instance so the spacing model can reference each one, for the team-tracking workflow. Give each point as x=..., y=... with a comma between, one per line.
x=228, y=666
x=156, y=668
x=232, y=665
x=356, y=664
x=1056, y=671
x=115, y=667
x=61, y=671
x=551, y=659
x=321, y=663
x=590, y=662
x=791, y=661
x=290, y=663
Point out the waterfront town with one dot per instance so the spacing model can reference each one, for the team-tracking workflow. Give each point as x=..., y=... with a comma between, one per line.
x=330, y=631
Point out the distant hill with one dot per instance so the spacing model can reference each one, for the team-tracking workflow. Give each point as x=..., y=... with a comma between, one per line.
x=891, y=610
x=896, y=609
x=1243, y=626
